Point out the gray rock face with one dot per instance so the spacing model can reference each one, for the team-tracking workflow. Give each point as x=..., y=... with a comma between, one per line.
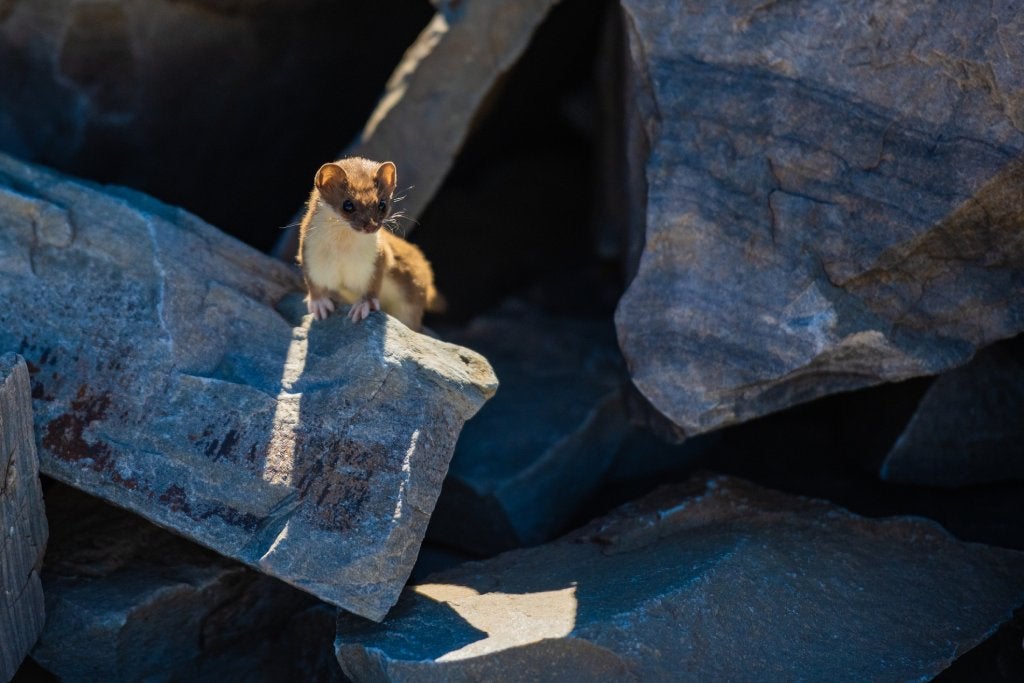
x=174, y=374
x=525, y=463
x=127, y=601
x=714, y=580
x=832, y=198
x=969, y=427
x=23, y=528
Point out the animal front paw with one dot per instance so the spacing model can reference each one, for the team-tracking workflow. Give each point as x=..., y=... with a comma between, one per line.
x=361, y=309
x=319, y=307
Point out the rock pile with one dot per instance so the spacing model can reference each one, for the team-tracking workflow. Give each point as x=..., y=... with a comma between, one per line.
x=792, y=206
x=717, y=580
x=175, y=375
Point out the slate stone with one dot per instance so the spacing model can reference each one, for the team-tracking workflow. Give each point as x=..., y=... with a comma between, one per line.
x=23, y=528
x=524, y=465
x=716, y=579
x=969, y=427
x=127, y=601
x=176, y=374
x=832, y=198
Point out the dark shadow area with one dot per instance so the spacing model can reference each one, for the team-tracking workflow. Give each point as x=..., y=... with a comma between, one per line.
x=516, y=210
x=221, y=108
x=829, y=449
x=1000, y=658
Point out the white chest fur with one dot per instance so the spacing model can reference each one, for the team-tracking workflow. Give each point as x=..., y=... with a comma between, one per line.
x=337, y=257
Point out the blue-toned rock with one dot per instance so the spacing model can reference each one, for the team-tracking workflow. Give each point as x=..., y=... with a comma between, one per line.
x=175, y=374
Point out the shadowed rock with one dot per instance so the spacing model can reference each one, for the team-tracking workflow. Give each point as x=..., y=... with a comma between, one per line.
x=127, y=601
x=969, y=426
x=833, y=198
x=525, y=463
x=174, y=374
x=160, y=95
x=23, y=528
x=714, y=580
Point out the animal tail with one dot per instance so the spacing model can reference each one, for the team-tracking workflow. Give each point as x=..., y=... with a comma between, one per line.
x=436, y=303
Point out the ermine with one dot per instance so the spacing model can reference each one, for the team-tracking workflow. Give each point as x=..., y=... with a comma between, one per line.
x=345, y=255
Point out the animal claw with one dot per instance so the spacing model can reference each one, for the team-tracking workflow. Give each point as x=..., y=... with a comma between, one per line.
x=320, y=307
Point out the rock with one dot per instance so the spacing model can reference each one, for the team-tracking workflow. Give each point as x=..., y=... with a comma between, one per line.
x=175, y=374
x=424, y=115
x=523, y=466
x=160, y=96
x=969, y=427
x=832, y=198
x=716, y=579
x=127, y=601
x=23, y=528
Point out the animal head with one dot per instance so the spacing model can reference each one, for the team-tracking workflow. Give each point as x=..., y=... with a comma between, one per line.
x=360, y=191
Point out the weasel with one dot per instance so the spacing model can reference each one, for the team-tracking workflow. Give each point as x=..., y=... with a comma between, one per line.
x=345, y=255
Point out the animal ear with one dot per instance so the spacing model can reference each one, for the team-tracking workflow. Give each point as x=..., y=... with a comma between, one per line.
x=330, y=175
x=386, y=176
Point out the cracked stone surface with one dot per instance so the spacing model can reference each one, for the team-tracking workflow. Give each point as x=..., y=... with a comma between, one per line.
x=969, y=427
x=715, y=579
x=23, y=527
x=128, y=601
x=833, y=198
x=524, y=465
x=175, y=373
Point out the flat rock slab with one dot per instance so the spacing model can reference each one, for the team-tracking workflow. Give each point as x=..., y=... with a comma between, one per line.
x=128, y=601
x=23, y=528
x=527, y=461
x=832, y=198
x=969, y=427
x=174, y=374
x=716, y=579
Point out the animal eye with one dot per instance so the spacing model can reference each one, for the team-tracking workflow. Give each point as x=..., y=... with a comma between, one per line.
x=348, y=206
x=382, y=206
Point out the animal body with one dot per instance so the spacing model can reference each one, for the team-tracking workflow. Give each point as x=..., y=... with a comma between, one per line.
x=346, y=256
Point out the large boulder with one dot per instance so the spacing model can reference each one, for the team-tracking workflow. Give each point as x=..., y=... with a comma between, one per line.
x=525, y=464
x=717, y=579
x=23, y=528
x=832, y=198
x=969, y=427
x=127, y=601
x=175, y=374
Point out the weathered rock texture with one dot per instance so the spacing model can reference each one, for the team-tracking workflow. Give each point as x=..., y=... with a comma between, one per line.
x=160, y=94
x=167, y=382
x=23, y=527
x=969, y=427
x=833, y=198
x=716, y=580
x=127, y=601
x=525, y=463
